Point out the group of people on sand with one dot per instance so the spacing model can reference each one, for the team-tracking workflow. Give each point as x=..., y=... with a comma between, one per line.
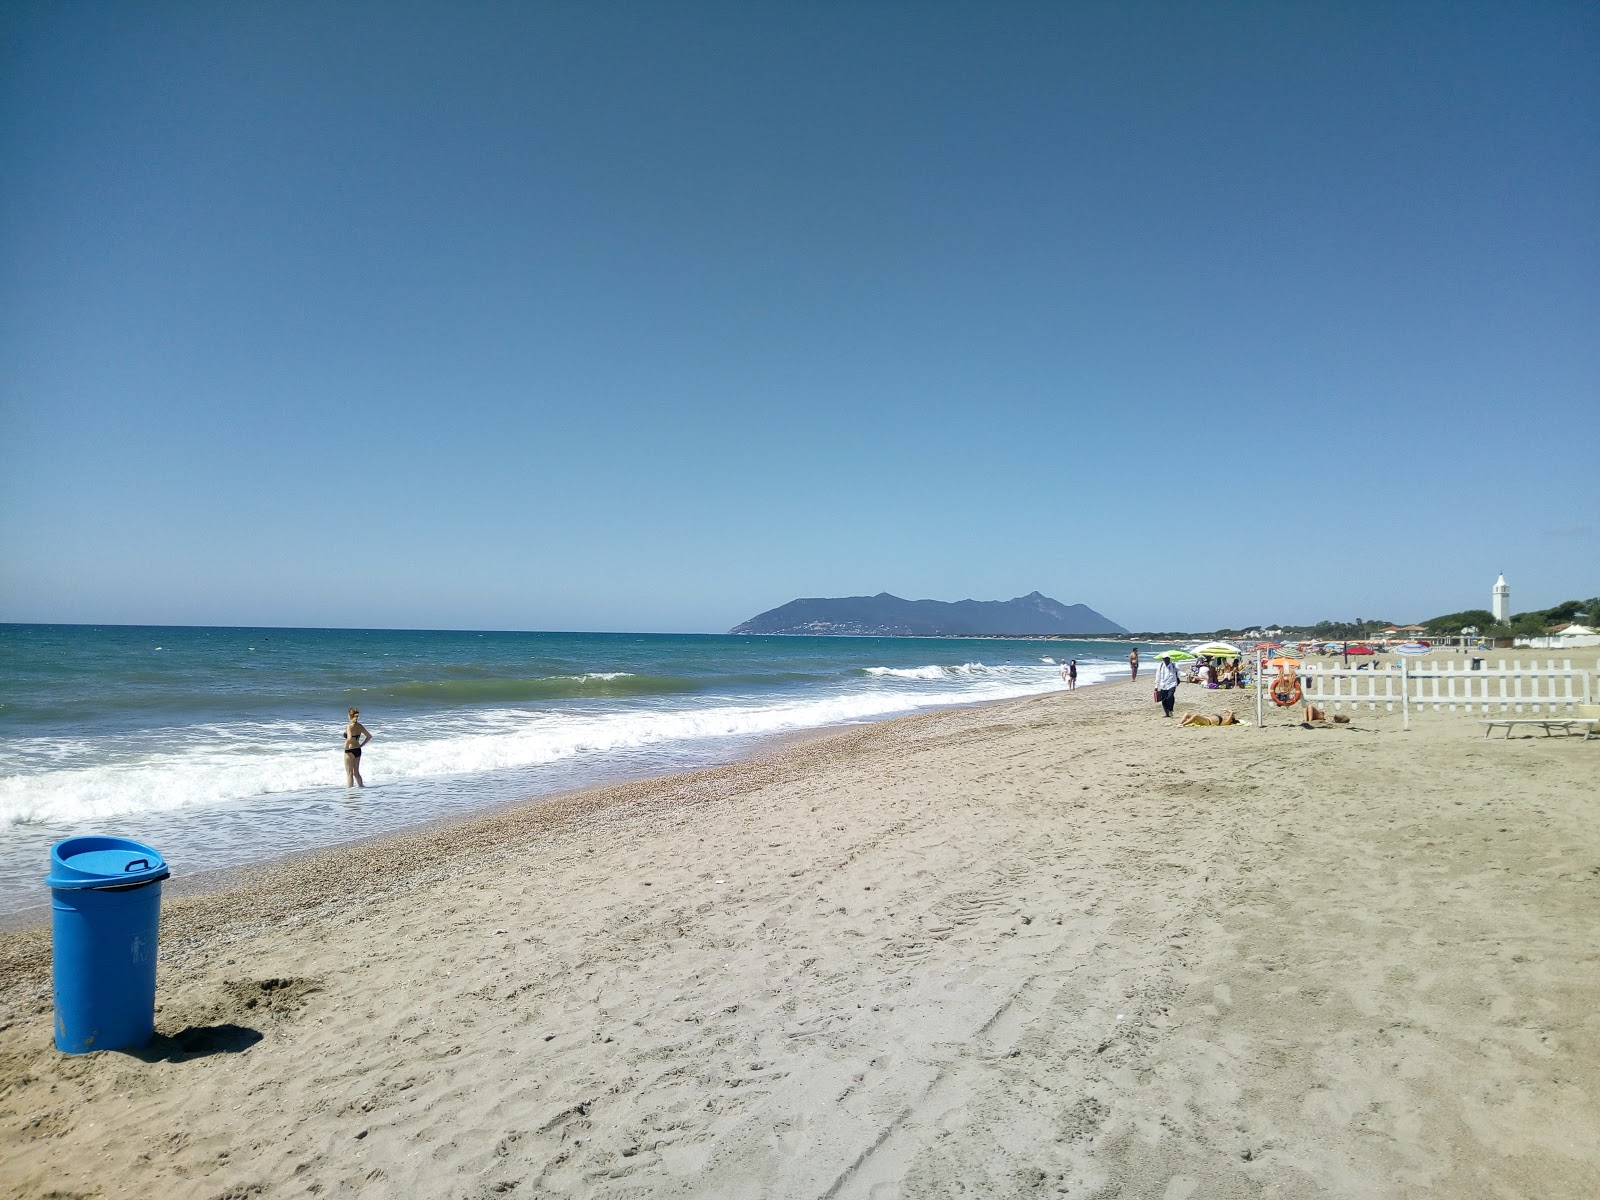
x=1226, y=673
x=1167, y=679
x=1213, y=673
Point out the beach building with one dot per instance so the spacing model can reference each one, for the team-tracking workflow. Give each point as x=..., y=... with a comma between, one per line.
x=1568, y=638
x=1500, y=601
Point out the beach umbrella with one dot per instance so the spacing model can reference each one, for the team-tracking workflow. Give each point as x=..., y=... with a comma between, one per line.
x=1219, y=650
x=1361, y=650
x=1267, y=646
x=1283, y=661
x=1174, y=655
x=1410, y=648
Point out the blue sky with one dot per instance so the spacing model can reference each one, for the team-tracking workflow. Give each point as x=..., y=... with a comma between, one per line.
x=654, y=316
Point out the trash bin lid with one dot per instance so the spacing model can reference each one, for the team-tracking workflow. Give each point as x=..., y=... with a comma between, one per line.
x=104, y=862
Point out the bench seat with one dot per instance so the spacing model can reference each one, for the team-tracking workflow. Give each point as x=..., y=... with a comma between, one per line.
x=1566, y=724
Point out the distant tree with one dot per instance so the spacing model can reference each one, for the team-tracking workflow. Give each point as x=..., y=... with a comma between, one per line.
x=1568, y=611
x=1529, y=624
x=1339, y=631
x=1452, y=623
x=1539, y=622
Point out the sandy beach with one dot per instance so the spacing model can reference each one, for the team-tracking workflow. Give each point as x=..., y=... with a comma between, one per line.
x=1049, y=947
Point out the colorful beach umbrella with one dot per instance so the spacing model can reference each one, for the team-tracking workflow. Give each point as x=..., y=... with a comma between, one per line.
x=1361, y=650
x=1219, y=650
x=1284, y=662
x=1411, y=648
x=1174, y=655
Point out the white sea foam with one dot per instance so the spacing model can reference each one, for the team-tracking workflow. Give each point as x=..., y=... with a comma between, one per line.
x=69, y=781
x=908, y=672
x=237, y=764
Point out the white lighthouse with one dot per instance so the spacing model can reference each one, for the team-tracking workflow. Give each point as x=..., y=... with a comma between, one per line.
x=1502, y=600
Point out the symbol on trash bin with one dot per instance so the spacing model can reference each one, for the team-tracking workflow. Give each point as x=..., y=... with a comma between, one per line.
x=138, y=948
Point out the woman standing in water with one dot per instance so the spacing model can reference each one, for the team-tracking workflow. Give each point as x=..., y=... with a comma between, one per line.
x=356, y=735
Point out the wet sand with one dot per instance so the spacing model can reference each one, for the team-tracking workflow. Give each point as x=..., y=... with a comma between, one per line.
x=1049, y=947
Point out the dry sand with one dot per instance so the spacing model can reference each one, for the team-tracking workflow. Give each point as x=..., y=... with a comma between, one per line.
x=1049, y=947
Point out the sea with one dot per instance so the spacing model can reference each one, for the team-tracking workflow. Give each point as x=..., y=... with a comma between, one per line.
x=223, y=747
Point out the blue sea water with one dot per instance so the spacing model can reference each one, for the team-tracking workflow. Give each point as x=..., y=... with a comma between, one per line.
x=222, y=747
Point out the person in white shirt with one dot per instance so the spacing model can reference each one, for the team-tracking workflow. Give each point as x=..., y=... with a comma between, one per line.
x=1166, y=685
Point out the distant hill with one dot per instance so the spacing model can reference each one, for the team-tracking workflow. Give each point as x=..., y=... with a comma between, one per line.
x=884, y=615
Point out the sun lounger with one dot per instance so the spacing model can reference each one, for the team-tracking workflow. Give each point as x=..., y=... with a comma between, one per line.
x=1587, y=720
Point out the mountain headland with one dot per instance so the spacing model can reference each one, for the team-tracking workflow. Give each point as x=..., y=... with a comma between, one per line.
x=884, y=615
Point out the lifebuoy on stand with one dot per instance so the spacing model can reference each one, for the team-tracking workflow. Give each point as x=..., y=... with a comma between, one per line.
x=1285, y=690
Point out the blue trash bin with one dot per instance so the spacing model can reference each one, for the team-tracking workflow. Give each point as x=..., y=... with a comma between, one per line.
x=105, y=910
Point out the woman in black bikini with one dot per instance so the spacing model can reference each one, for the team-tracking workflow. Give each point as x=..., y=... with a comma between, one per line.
x=356, y=736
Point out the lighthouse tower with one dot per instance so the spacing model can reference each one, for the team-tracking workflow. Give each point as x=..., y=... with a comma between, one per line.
x=1502, y=600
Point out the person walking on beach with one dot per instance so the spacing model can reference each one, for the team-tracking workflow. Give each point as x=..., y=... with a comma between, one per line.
x=1133, y=663
x=356, y=735
x=1166, y=685
x=1072, y=676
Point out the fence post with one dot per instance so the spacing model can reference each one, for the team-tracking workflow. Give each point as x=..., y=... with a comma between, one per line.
x=1405, y=693
x=1261, y=720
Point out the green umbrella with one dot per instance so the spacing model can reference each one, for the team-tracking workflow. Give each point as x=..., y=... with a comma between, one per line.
x=1174, y=655
x=1219, y=650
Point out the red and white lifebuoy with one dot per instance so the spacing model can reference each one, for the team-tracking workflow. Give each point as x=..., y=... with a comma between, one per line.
x=1285, y=690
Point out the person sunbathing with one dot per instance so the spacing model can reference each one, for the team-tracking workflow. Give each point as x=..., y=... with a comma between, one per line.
x=1313, y=713
x=1226, y=718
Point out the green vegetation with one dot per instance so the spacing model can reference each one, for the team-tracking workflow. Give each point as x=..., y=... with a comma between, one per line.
x=1480, y=619
x=1528, y=624
x=1324, y=631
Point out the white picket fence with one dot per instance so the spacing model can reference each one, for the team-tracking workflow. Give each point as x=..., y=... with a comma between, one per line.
x=1443, y=684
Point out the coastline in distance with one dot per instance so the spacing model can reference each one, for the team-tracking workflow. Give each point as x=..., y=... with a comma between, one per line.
x=884, y=615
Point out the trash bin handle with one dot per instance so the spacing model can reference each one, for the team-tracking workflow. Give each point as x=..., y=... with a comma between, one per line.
x=138, y=864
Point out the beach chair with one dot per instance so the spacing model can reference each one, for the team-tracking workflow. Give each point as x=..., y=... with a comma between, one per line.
x=1586, y=720
x=1589, y=714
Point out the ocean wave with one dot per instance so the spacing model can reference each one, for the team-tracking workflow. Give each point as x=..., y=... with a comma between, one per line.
x=1043, y=669
x=227, y=767
x=906, y=672
x=548, y=687
x=470, y=727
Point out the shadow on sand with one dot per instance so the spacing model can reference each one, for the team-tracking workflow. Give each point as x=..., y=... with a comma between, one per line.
x=198, y=1041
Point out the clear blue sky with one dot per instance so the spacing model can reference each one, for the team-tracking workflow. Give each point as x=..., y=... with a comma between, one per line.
x=653, y=316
